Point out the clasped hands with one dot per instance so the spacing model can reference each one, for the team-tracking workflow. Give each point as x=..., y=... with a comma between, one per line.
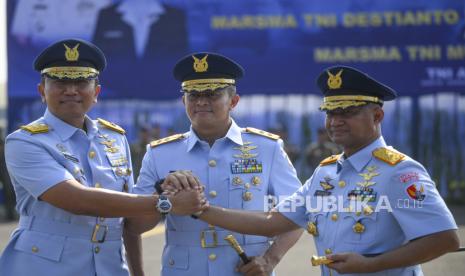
x=185, y=192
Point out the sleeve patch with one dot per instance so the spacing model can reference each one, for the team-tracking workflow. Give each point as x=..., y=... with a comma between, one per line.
x=409, y=176
x=416, y=192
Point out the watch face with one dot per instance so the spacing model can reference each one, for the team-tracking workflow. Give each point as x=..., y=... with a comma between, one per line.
x=164, y=205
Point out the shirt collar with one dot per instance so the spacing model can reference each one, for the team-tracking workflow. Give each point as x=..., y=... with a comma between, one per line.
x=91, y=126
x=65, y=130
x=361, y=158
x=142, y=8
x=234, y=134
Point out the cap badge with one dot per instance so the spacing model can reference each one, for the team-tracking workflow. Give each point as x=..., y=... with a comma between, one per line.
x=334, y=81
x=71, y=54
x=200, y=65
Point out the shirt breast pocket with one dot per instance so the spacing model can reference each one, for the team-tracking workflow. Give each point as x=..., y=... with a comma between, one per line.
x=359, y=229
x=75, y=169
x=108, y=178
x=175, y=257
x=41, y=244
x=319, y=221
x=247, y=192
x=235, y=191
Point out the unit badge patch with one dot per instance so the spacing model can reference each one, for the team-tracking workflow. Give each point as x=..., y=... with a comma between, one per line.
x=416, y=193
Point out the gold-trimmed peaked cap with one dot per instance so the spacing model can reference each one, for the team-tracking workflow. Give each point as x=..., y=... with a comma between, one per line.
x=203, y=71
x=344, y=87
x=71, y=59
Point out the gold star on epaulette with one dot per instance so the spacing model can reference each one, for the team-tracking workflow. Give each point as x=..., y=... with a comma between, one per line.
x=166, y=140
x=36, y=128
x=111, y=126
x=262, y=133
x=329, y=160
x=389, y=156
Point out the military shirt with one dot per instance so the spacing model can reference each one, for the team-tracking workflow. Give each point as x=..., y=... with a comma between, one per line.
x=50, y=240
x=239, y=171
x=402, y=204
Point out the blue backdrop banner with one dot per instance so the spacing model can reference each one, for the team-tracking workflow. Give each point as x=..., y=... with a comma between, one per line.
x=415, y=46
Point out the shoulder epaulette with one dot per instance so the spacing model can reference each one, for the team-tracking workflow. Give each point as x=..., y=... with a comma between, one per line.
x=330, y=160
x=111, y=126
x=262, y=133
x=36, y=128
x=389, y=156
x=166, y=140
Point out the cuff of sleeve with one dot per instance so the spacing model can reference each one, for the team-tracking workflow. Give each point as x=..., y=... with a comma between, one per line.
x=429, y=227
x=158, y=187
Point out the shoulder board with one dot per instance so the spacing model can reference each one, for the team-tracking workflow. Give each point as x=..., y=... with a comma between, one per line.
x=389, y=156
x=36, y=128
x=111, y=126
x=166, y=140
x=262, y=133
x=330, y=160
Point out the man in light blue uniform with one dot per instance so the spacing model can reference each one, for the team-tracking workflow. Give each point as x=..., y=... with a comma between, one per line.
x=240, y=168
x=71, y=175
x=371, y=209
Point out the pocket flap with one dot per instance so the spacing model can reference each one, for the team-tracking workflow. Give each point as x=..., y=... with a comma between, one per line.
x=361, y=216
x=41, y=244
x=176, y=257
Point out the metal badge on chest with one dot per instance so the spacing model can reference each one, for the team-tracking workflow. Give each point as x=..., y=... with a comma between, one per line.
x=246, y=163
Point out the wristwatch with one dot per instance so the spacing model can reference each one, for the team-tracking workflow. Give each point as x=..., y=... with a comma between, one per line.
x=164, y=205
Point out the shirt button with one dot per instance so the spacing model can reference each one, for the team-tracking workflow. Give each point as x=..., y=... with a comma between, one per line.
x=342, y=183
x=247, y=196
x=97, y=250
x=35, y=249
x=92, y=154
x=171, y=262
x=212, y=193
x=212, y=257
x=328, y=251
x=247, y=185
x=212, y=163
x=98, y=185
x=334, y=217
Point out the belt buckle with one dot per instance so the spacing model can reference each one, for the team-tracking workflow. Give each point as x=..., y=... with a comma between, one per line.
x=208, y=243
x=98, y=236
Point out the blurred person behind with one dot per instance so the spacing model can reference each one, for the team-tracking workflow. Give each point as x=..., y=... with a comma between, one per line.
x=291, y=149
x=138, y=148
x=320, y=149
x=9, y=198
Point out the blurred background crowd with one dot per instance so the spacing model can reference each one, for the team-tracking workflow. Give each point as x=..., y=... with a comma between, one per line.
x=416, y=47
